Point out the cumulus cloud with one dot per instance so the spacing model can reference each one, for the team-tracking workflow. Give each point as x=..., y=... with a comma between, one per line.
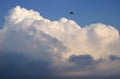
x=38, y=47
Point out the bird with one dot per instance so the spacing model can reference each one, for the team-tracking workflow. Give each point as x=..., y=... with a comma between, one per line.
x=71, y=13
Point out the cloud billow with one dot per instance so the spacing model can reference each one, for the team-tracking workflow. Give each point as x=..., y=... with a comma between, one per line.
x=36, y=47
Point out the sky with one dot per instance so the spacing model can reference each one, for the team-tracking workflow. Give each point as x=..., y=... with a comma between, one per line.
x=86, y=12
x=40, y=39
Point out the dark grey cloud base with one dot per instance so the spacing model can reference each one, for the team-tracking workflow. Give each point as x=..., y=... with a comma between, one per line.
x=18, y=66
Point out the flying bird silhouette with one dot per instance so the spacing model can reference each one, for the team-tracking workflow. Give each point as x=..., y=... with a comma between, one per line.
x=71, y=13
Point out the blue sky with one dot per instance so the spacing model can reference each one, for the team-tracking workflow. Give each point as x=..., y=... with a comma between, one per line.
x=86, y=11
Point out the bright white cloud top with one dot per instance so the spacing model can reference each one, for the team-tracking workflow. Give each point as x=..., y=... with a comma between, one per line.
x=67, y=48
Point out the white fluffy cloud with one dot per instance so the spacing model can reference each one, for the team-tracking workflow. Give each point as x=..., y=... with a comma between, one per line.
x=27, y=32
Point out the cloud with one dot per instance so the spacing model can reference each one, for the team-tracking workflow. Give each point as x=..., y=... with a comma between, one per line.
x=82, y=60
x=113, y=57
x=34, y=46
